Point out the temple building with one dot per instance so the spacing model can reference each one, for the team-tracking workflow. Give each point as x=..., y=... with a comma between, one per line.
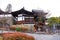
x=23, y=16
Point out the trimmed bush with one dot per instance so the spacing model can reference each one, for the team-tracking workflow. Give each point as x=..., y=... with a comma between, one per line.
x=18, y=29
x=12, y=28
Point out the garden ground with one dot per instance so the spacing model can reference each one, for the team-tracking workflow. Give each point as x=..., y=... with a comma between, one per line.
x=43, y=36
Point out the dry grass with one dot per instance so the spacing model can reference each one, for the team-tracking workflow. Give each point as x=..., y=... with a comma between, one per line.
x=1, y=38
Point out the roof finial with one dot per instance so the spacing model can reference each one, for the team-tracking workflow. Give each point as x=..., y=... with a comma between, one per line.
x=23, y=7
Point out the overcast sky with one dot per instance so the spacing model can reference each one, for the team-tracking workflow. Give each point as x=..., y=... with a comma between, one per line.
x=52, y=6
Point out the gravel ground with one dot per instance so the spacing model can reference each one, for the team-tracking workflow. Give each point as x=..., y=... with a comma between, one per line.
x=45, y=36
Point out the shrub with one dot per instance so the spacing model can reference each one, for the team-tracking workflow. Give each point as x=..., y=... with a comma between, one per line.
x=12, y=28
x=24, y=29
x=17, y=36
x=18, y=29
